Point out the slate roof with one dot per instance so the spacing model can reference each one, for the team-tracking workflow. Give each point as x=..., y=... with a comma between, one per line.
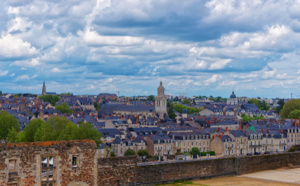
x=109, y=132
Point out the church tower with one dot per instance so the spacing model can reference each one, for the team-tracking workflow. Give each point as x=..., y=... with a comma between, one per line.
x=161, y=102
x=44, y=89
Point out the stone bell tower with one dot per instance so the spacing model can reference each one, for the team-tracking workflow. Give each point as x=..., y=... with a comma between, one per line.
x=161, y=102
x=44, y=89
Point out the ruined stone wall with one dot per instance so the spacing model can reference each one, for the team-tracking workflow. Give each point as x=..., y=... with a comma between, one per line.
x=185, y=170
x=121, y=170
x=28, y=158
x=168, y=171
x=117, y=171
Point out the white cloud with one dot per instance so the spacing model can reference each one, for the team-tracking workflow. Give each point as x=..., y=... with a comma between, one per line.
x=3, y=73
x=93, y=38
x=25, y=77
x=11, y=46
x=212, y=79
x=55, y=70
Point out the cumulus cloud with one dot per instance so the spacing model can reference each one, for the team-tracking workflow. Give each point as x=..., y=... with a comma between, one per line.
x=11, y=46
x=129, y=45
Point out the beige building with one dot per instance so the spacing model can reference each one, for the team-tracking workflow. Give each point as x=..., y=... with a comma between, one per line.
x=185, y=141
x=293, y=136
x=119, y=147
x=160, y=145
x=241, y=142
x=223, y=145
x=255, y=143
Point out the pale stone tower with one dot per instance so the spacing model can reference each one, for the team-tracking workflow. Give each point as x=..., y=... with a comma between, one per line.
x=161, y=102
x=44, y=89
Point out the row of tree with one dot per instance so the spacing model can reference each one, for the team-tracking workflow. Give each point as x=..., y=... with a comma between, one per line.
x=50, y=98
x=54, y=129
x=262, y=105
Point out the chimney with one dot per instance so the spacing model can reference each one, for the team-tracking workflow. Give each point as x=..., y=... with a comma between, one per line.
x=218, y=129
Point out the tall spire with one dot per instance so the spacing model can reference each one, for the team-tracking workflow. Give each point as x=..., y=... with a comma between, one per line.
x=44, y=88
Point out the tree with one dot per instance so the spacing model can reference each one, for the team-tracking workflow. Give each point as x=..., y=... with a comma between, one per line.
x=60, y=128
x=7, y=122
x=12, y=135
x=195, y=151
x=30, y=130
x=171, y=113
x=262, y=105
x=280, y=107
x=151, y=98
x=295, y=114
x=50, y=98
x=87, y=131
x=143, y=152
x=97, y=106
x=112, y=154
x=66, y=94
x=289, y=106
x=129, y=152
x=186, y=101
x=0, y=92
x=64, y=108
x=168, y=104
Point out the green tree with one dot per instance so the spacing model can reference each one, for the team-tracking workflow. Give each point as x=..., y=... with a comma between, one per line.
x=151, y=98
x=66, y=94
x=97, y=106
x=143, y=152
x=112, y=154
x=129, y=152
x=171, y=113
x=30, y=130
x=186, y=101
x=64, y=108
x=50, y=98
x=289, y=106
x=262, y=105
x=0, y=92
x=180, y=107
x=12, y=135
x=168, y=104
x=280, y=107
x=60, y=128
x=295, y=114
x=7, y=122
x=248, y=118
x=87, y=131
x=195, y=151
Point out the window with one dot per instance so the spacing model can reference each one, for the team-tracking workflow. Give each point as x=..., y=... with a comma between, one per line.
x=74, y=161
x=12, y=166
x=47, y=173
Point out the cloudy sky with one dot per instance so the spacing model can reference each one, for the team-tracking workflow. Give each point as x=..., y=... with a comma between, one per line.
x=195, y=47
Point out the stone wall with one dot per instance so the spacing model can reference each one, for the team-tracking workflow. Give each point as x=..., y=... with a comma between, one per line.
x=117, y=171
x=28, y=169
x=89, y=170
x=164, y=172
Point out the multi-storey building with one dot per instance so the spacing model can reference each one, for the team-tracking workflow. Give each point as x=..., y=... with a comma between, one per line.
x=185, y=141
x=160, y=145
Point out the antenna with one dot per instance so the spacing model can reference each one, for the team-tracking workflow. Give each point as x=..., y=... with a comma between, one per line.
x=291, y=95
